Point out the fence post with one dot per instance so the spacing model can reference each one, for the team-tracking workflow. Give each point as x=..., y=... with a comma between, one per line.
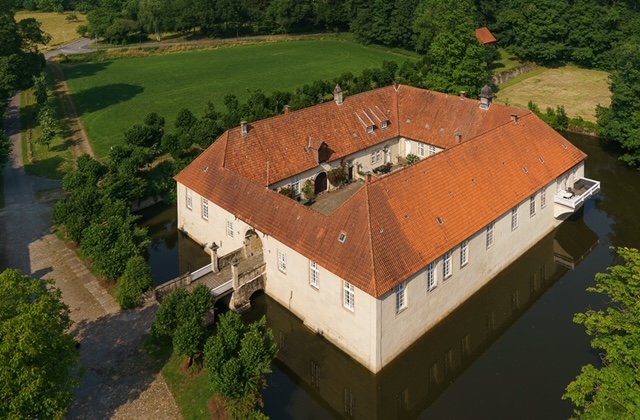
x=214, y=257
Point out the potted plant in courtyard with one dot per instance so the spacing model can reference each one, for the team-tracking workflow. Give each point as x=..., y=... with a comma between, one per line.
x=337, y=176
x=308, y=191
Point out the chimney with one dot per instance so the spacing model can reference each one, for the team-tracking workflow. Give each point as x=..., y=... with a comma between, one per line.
x=458, y=135
x=514, y=118
x=368, y=178
x=463, y=94
x=287, y=108
x=486, y=96
x=396, y=85
x=244, y=128
x=337, y=95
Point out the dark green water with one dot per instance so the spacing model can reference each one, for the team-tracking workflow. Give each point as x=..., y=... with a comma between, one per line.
x=508, y=352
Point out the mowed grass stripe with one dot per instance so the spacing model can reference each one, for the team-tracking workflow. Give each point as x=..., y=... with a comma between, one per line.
x=112, y=96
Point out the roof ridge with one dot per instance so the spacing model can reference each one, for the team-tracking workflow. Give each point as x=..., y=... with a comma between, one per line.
x=226, y=144
x=370, y=237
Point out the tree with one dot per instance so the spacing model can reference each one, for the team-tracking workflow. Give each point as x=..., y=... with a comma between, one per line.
x=456, y=62
x=155, y=16
x=19, y=57
x=434, y=17
x=48, y=125
x=182, y=316
x=38, y=358
x=5, y=149
x=134, y=281
x=237, y=357
x=166, y=321
x=612, y=390
x=112, y=240
x=620, y=123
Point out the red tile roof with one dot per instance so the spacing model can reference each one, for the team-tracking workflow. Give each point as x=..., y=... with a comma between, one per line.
x=485, y=36
x=468, y=186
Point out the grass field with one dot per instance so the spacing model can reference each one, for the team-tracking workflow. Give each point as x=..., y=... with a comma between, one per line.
x=507, y=61
x=579, y=90
x=111, y=96
x=52, y=162
x=56, y=24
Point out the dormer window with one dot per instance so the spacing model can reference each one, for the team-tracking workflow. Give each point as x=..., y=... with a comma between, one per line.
x=343, y=237
x=370, y=129
x=384, y=124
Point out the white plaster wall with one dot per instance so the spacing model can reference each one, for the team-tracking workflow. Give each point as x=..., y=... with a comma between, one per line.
x=407, y=146
x=321, y=309
x=205, y=232
x=426, y=308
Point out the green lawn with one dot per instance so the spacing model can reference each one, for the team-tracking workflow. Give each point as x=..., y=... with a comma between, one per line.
x=47, y=162
x=111, y=96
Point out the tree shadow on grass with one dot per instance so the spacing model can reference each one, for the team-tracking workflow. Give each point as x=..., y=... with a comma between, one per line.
x=100, y=97
x=46, y=168
x=77, y=71
x=117, y=368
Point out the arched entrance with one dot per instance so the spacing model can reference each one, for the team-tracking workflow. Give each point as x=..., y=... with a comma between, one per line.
x=320, y=183
x=252, y=244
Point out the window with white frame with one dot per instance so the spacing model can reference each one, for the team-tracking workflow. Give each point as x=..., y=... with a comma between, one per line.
x=376, y=157
x=432, y=279
x=295, y=186
x=490, y=235
x=464, y=253
x=282, y=261
x=432, y=150
x=401, y=297
x=514, y=218
x=421, y=149
x=189, y=199
x=314, y=274
x=446, y=266
x=230, y=228
x=532, y=205
x=543, y=198
x=348, y=296
x=205, y=209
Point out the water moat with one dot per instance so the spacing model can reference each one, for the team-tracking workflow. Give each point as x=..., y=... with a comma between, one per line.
x=508, y=351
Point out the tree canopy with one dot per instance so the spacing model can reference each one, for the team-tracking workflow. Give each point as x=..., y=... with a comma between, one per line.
x=612, y=389
x=38, y=358
x=237, y=357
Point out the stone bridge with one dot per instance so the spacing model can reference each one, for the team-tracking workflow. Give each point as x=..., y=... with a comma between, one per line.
x=237, y=273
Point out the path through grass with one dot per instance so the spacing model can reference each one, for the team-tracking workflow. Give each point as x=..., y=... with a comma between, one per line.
x=113, y=95
x=579, y=90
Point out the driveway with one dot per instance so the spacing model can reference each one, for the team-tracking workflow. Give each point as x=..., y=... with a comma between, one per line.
x=120, y=381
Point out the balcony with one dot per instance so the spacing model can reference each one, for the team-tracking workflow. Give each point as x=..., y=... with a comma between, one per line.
x=571, y=199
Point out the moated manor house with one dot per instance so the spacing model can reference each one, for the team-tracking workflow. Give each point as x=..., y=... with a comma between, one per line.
x=373, y=263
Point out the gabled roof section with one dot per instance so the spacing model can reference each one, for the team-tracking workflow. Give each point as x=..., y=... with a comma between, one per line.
x=281, y=143
x=485, y=36
x=399, y=223
x=282, y=140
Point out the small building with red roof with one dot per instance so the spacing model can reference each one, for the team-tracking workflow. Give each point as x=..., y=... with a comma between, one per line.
x=485, y=36
x=420, y=199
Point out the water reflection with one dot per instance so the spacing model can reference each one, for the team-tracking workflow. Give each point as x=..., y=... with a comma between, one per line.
x=171, y=252
x=404, y=388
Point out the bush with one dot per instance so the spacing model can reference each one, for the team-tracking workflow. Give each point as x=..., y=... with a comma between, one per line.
x=135, y=280
x=287, y=192
x=309, y=190
x=411, y=159
x=337, y=176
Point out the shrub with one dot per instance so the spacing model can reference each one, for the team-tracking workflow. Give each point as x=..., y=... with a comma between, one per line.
x=337, y=176
x=411, y=159
x=287, y=192
x=309, y=189
x=135, y=280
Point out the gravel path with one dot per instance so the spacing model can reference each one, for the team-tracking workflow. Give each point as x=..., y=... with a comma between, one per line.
x=120, y=381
